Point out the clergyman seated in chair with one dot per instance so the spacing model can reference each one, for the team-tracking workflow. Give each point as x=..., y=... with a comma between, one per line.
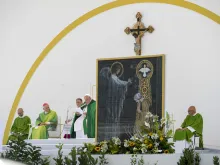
x=20, y=127
x=47, y=121
x=192, y=125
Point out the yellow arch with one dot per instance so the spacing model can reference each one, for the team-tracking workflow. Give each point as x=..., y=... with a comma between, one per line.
x=79, y=21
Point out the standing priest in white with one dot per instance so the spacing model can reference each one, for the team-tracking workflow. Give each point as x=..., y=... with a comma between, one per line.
x=77, y=130
x=72, y=118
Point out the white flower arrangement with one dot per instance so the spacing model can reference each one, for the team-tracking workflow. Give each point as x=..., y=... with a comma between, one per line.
x=154, y=136
x=104, y=147
x=126, y=143
x=116, y=141
x=143, y=150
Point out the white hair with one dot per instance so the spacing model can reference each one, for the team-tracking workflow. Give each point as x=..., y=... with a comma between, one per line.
x=88, y=95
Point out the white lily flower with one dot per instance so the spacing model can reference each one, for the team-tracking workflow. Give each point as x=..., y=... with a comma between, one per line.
x=126, y=144
x=116, y=141
x=104, y=147
x=143, y=145
x=154, y=136
x=132, y=138
x=143, y=150
x=156, y=144
x=147, y=124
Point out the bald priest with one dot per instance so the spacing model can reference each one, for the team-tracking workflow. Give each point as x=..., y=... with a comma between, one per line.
x=20, y=127
x=47, y=120
x=192, y=125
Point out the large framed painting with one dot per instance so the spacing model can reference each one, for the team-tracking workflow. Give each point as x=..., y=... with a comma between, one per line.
x=128, y=88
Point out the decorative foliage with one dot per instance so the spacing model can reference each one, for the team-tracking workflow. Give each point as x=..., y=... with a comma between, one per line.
x=189, y=157
x=102, y=160
x=86, y=158
x=150, y=143
x=216, y=160
x=59, y=160
x=24, y=152
x=73, y=160
x=197, y=159
x=135, y=160
x=152, y=124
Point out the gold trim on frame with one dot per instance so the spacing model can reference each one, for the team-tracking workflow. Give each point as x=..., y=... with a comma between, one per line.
x=97, y=80
x=163, y=86
x=181, y=3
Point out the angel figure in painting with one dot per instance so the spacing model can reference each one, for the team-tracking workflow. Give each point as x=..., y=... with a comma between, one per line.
x=115, y=97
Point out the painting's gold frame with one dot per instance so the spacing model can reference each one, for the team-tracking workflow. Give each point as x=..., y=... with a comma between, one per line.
x=132, y=57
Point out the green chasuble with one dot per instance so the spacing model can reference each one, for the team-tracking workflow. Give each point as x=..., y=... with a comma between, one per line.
x=41, y=132
x=20, y=128
x=196, y=122
x=91, y=119
x=72, y=132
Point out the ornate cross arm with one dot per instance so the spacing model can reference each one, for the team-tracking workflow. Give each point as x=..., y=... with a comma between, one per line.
x=137, y=32
x=150, y=29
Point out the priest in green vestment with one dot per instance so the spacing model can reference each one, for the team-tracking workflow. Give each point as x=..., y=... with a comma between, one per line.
x=47, y=121
x=192, y=125
x=20, y=127
x=89, y=122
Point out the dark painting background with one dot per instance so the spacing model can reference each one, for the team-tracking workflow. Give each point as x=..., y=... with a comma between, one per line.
x=129, y=108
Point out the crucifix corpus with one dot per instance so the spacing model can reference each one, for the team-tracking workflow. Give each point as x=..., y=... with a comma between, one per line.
x=137, y=32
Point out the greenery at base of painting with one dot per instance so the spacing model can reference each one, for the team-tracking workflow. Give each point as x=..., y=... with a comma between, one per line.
x=190, y=157
x=26, y=153
x=151, y=143
x=151, y=139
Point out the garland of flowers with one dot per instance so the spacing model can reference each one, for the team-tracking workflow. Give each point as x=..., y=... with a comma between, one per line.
x=151, y=143
x=153, y=139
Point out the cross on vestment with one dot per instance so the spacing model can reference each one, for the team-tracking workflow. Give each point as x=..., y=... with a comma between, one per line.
x=138, y=31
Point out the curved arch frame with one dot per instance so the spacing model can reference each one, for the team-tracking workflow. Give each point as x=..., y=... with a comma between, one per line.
x=80, y=20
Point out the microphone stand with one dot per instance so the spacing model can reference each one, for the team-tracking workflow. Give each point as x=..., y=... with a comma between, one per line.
x=65, y=121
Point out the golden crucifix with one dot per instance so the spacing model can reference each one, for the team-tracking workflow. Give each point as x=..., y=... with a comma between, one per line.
x=138, y=31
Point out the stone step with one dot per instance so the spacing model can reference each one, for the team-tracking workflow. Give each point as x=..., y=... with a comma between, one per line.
x=61, y=141
x=52, y=146
x=54, y=152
